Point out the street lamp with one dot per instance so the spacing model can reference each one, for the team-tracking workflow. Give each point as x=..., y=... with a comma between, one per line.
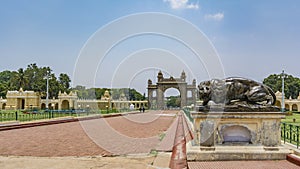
x=88, y=109
x=52, y=106
x=47, y=90
x=282, y=76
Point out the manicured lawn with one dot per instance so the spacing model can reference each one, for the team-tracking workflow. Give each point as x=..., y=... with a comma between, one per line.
x=292, y=119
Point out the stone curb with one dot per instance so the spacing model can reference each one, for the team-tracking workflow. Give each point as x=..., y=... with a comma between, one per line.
x=293, y=159
x=58, y=121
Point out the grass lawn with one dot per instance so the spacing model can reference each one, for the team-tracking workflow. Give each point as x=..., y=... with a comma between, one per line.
x=292, y=119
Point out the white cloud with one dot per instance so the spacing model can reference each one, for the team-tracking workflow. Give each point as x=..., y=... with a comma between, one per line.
x=217, y=17
x=182, y=4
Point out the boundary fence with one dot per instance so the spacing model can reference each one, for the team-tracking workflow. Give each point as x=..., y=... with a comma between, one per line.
x=40, y=115
x=290, y=133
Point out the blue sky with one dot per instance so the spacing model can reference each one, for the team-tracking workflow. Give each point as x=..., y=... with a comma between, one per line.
x=253, y=38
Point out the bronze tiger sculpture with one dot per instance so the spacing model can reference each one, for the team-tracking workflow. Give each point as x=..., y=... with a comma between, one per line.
x=235, y=89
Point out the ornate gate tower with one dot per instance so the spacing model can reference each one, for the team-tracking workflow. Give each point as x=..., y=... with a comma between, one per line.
x=156, y=91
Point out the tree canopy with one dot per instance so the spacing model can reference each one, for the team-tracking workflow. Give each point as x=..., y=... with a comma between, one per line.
x=33, y=78
x=96, y=93
x=173, y=101
x=291, y=85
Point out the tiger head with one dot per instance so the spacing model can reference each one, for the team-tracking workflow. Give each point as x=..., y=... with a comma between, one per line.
x=205, y=91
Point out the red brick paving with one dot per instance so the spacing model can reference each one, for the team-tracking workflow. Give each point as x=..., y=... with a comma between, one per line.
x=116, y=135
x=66, y=139
x=131, y=134
x=131, y=138
x=281, y=164
x=138, y=129
x=165, y=145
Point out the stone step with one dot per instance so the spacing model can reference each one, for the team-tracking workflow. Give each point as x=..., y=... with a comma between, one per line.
x=226, y=153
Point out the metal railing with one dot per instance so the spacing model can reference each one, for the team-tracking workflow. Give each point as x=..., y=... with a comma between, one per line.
x=290, y=133
x=40, y=115
x=188, y=114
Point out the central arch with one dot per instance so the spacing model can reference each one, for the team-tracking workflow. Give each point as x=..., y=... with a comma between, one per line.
x=156, y=92
x=172, y=98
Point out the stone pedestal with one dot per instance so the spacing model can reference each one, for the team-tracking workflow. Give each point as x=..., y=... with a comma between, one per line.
x=236, y=136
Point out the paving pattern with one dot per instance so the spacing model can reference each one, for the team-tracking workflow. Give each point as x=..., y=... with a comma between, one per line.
x=136, y=133
x=130, y=134
x=280, y=164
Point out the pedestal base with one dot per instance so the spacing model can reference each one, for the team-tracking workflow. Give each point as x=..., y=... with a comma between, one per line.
x=231, y=153
x=236, y=136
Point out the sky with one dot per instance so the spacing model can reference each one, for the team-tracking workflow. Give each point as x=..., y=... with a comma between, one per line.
x=250, y=38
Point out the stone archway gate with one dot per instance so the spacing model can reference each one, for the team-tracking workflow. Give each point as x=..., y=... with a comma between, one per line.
x=156, y=91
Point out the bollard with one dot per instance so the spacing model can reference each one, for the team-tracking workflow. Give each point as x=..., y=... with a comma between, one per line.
x=16, y=116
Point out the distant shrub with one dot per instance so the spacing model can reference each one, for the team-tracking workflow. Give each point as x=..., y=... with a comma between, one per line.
x=289, y=113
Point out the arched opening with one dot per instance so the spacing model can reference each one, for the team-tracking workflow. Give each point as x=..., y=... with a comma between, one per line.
x=3, y=106
x=172, y=98
x=50, y=106
x=152, y=100
x=278, y=103
x=189, y=94
x=22, y=104
x=294, y=107
x=43, y=106
x=56, y=106
x=65, y=105
x=154, y=94
x=236, y=133
x=287, y=107
x=113, y=105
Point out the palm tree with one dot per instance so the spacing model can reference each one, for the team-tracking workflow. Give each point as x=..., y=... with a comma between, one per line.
x=64, y=81
x=20, y=79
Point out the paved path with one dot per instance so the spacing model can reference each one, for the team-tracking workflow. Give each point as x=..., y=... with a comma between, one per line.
x=281, y=164
x=144, y=162
x=135, y=133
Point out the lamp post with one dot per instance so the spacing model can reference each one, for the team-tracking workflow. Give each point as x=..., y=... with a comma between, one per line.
x=47, y=94
x=52, y=106
x=88, y=109
x=47, y=90
x=282, y=75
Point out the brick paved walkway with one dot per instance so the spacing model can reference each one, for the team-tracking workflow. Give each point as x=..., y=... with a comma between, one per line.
x=281, y=164
x=129, y=134
x=135, y=133
x=167, y=143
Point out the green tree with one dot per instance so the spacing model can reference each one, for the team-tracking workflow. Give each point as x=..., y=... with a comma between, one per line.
x=64, y=82
x=291, y=85
x=173, y=101
x=20, y=79
x=81, y=91
x=135, y=95
x=36, y=77
x=6, y=82
x=33, y=78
